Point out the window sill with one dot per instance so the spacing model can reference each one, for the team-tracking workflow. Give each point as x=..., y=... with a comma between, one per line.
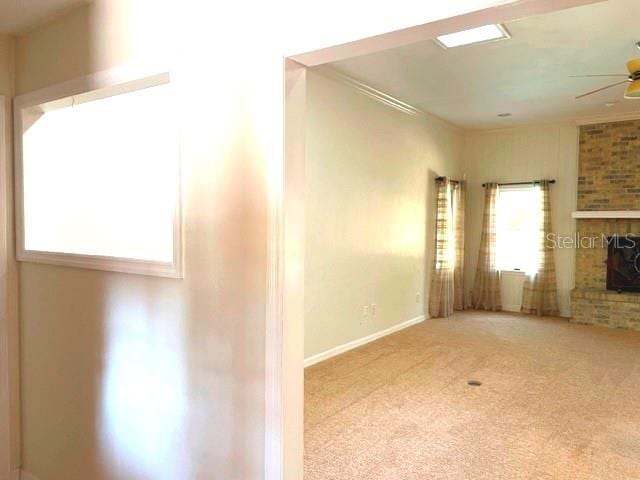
x=512, y=272
x=108, y=264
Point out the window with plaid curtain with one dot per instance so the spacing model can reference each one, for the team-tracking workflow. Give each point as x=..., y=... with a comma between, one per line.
x=446, y=292
x=486, y=286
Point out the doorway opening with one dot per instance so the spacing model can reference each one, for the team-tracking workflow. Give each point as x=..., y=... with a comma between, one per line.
x=290, y=222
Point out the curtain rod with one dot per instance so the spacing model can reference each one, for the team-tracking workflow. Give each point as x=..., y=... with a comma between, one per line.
x=439, y=179
x=521, y=183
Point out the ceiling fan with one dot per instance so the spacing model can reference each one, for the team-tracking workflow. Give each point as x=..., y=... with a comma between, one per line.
x=633, y=79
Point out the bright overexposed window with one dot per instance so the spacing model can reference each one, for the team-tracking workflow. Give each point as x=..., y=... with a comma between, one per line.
x=517, y=220
x=99, y=175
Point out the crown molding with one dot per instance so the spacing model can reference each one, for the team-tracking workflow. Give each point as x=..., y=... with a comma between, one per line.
x=369, y=91
x=395, y=103
x=380, y=96
x=607, y=118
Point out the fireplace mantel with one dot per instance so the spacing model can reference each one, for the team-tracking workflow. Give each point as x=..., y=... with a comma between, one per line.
x=606, y=214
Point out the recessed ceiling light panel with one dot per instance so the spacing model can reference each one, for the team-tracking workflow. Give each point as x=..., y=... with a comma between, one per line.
x=487, y=33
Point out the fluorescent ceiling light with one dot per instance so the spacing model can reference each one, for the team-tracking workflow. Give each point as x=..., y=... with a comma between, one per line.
x=483, y=34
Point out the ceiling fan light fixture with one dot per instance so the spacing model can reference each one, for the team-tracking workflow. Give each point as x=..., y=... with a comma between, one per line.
x=633, y=90
x=633, y=66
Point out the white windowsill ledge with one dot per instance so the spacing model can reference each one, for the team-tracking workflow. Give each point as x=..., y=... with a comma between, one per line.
x=606, y=214
x=512, y=272
x=108, y=264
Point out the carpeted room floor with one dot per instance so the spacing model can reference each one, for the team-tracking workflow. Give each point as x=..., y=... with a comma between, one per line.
x=557, y=401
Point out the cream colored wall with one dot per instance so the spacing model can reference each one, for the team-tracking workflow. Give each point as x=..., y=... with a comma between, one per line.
x=369, y=203
x=134, y=377
x=524, y=153
x=9, y=369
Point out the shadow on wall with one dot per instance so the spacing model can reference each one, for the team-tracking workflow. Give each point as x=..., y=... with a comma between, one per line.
x=143, y=397
x=430, y=234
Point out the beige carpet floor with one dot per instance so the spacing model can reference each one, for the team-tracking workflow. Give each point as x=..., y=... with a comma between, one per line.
x=557, y=401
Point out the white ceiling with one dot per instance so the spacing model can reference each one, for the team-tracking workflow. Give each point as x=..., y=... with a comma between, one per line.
x=527, y=75
x=19, y=15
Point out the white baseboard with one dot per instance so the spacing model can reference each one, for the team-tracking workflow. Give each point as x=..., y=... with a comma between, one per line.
x=361, y=341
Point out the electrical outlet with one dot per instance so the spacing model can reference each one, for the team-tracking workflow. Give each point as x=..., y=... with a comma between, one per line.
x=418, y=297
x=365, y=314
x=373, y=309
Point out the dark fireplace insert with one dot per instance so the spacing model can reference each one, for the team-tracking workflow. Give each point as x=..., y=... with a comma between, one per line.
x=623, y=263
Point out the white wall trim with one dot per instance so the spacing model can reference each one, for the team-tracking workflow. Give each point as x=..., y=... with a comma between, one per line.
x=369, y=91
x=274, y=391
x=404, y=107
x=284, y=329
x=607, y=118
x=9, y=344
x=91, y=87
x=113, y=78
x=320, y=357
x=5, y=375
x=380, y=96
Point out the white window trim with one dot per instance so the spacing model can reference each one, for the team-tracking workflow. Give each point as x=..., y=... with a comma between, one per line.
x=98, y=85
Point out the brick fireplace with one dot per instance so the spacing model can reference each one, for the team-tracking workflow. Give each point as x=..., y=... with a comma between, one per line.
x=608, y=180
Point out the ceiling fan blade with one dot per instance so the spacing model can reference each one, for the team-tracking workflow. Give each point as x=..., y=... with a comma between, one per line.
x=602, y=88
x=633, y=65
x=600, y=75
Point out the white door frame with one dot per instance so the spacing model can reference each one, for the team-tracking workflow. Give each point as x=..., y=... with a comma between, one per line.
x=284, y=405
x=5, y=389
x=9, y=388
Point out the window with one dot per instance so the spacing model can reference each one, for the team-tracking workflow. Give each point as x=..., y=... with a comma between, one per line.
x=517, y=228
x=98, y=177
